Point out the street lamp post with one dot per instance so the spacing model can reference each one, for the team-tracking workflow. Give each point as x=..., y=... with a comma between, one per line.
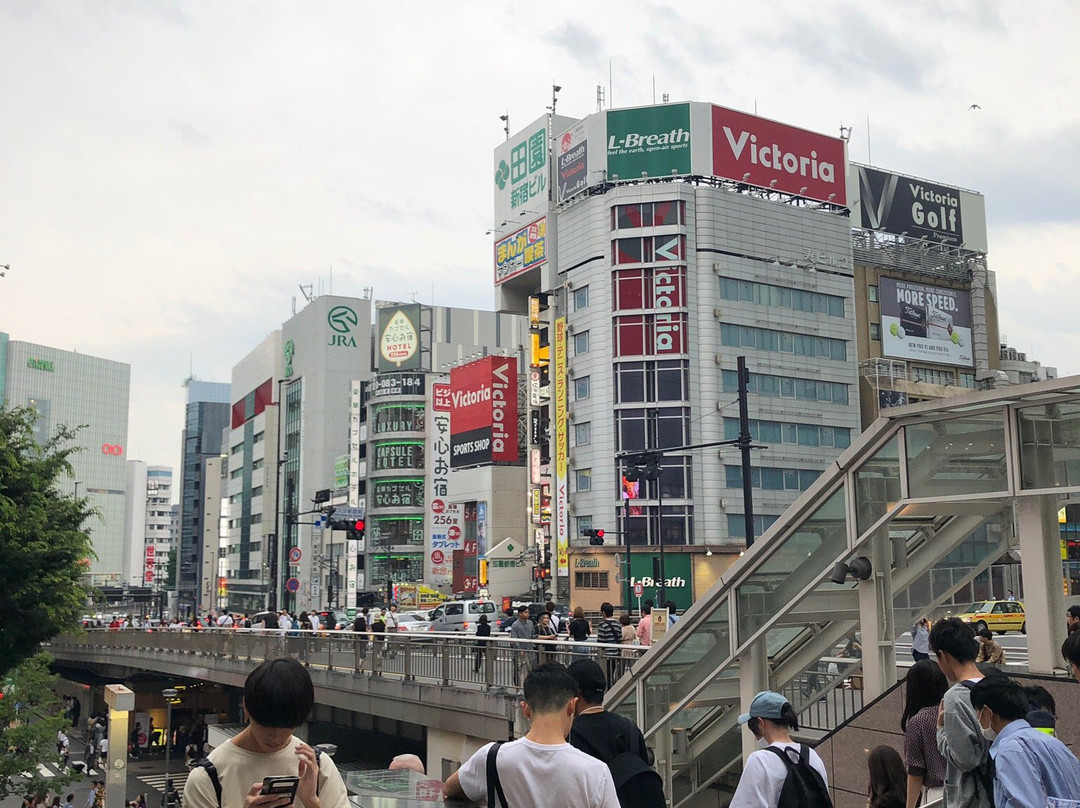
x=169, y=693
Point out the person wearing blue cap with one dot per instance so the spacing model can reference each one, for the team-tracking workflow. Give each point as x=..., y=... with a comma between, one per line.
x=780, y=765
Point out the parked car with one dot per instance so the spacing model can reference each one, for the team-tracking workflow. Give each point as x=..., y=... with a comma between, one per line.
x=461, y=615
x=996, y=615
x=412, y=622
x=330, y=621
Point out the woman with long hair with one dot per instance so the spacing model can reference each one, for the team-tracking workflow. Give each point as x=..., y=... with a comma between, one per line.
x=887, y=778
x=924, y=686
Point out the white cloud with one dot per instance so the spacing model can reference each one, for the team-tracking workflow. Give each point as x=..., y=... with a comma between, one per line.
x=173, y=170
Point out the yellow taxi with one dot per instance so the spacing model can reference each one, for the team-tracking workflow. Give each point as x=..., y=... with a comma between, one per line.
x=996, y=615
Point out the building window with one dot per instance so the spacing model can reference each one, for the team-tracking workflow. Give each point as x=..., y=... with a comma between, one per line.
x=935, y=376
x=967, y=380
x=663, y=380
x=583, y=523
x=736, y=525
x=648, y=214
x=875, y=331
x=590, y=580
x=581, y=388
x=636, y=432
x=581, y=298
x=581, y=343
x=763, y=384
x=770, y=478
x=781, y=297
x=582, y=434
x=767, y=339
x=871, y=293
x=584, y=480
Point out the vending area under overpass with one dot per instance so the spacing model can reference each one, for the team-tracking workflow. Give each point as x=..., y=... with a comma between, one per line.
x=924, y=501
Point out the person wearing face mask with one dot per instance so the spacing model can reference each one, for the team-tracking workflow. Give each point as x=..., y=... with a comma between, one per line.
x=772, y=719
x=1029, y=765
x=541, y=769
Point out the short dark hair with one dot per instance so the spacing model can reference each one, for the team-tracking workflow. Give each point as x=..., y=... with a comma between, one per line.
x=647, y=608
x=1041, y=698
x=1002, y=695
x=986, y=633
x=672, y=607
x=549, y=606
x=1070, y=649
x=279, y=694
x=590, y=680
x=956, y=638
x=1073, y=612
x=548, y=688
x=522, y=609
x=607, y=609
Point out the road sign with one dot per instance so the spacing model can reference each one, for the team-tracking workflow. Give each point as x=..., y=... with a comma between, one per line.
x=293, y=584
x=348, y=514
x=295, y=555
x=639, y=590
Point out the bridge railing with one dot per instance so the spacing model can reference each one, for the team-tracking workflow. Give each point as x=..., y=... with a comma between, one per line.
x=457, y=659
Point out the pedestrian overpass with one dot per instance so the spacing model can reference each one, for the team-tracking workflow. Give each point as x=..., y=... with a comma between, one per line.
x=931, y=494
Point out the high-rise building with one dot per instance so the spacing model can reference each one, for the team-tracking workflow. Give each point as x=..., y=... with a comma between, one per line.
x=251, y=509
x=65, y=387
x=148, y=535
x=659, y=244
x=206, y=416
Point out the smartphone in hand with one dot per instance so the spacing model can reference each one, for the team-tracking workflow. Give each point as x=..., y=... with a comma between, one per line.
x=281, y=786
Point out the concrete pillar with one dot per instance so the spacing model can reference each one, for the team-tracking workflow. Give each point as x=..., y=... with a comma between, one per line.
x=753, y=678
x=877, y=621
x=121, y=702
x=1040, y=562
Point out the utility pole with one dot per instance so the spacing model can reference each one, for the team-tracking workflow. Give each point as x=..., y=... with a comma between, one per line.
x=744, y=448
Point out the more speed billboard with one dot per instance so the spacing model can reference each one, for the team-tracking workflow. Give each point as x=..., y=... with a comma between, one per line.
x=483, y=421
x=927, y=323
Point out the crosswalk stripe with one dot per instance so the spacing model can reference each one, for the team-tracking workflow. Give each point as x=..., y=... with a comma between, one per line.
x=45, y=771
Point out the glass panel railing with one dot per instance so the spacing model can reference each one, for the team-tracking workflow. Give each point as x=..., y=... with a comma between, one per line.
x=627, y=707
x=877, y=485
x=948, y=577
x=960, y=457
x=1050, y=445
x=699, y=653
x=799, y=559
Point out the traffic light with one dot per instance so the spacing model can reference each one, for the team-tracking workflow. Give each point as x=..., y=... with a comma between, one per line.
x=354, y=529
x=596, y=537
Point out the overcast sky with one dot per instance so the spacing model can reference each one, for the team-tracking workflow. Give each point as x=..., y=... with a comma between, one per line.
x=172, y=171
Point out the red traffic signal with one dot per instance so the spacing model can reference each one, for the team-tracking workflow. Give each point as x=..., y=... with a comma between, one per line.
x=358, y=526
x=596, y=537
x=598, y=533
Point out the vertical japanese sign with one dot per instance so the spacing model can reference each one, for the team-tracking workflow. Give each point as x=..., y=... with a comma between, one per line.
x=438, y=560
x=562, y=532
x=481, y=528
x=354, y=444
x=522, y=173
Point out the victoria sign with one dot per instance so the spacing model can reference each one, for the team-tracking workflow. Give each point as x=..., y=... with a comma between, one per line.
x=483, y=421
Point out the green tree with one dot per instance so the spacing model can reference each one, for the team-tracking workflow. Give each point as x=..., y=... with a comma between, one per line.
x=43, y=544
x=29, y=723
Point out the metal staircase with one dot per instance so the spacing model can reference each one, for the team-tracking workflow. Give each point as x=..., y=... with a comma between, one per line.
x=929, y=495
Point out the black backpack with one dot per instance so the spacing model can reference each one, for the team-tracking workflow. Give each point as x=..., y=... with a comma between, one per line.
x=215, y=780
x=804, y=787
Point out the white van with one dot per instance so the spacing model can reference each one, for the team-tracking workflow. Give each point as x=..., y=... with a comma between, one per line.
x=461, y=615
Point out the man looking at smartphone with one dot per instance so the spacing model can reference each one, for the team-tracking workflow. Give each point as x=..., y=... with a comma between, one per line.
x=278, y=697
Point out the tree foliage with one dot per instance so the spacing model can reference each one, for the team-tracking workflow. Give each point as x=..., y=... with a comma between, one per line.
x=29, y=722
x=44, y=549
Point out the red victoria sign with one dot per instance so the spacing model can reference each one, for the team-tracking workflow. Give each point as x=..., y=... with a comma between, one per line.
x=771, y=155
x=483, y=425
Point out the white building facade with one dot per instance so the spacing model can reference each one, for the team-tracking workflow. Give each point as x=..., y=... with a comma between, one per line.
x=65, y=387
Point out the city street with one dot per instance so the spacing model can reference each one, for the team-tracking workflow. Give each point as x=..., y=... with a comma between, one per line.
x=143, y=777
x=1015, y=645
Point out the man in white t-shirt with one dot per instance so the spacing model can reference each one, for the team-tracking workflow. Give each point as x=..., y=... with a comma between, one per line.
x=540, y=770
x=278, y=697
x=225, y=620
x=284, y=622
x=772, y=719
